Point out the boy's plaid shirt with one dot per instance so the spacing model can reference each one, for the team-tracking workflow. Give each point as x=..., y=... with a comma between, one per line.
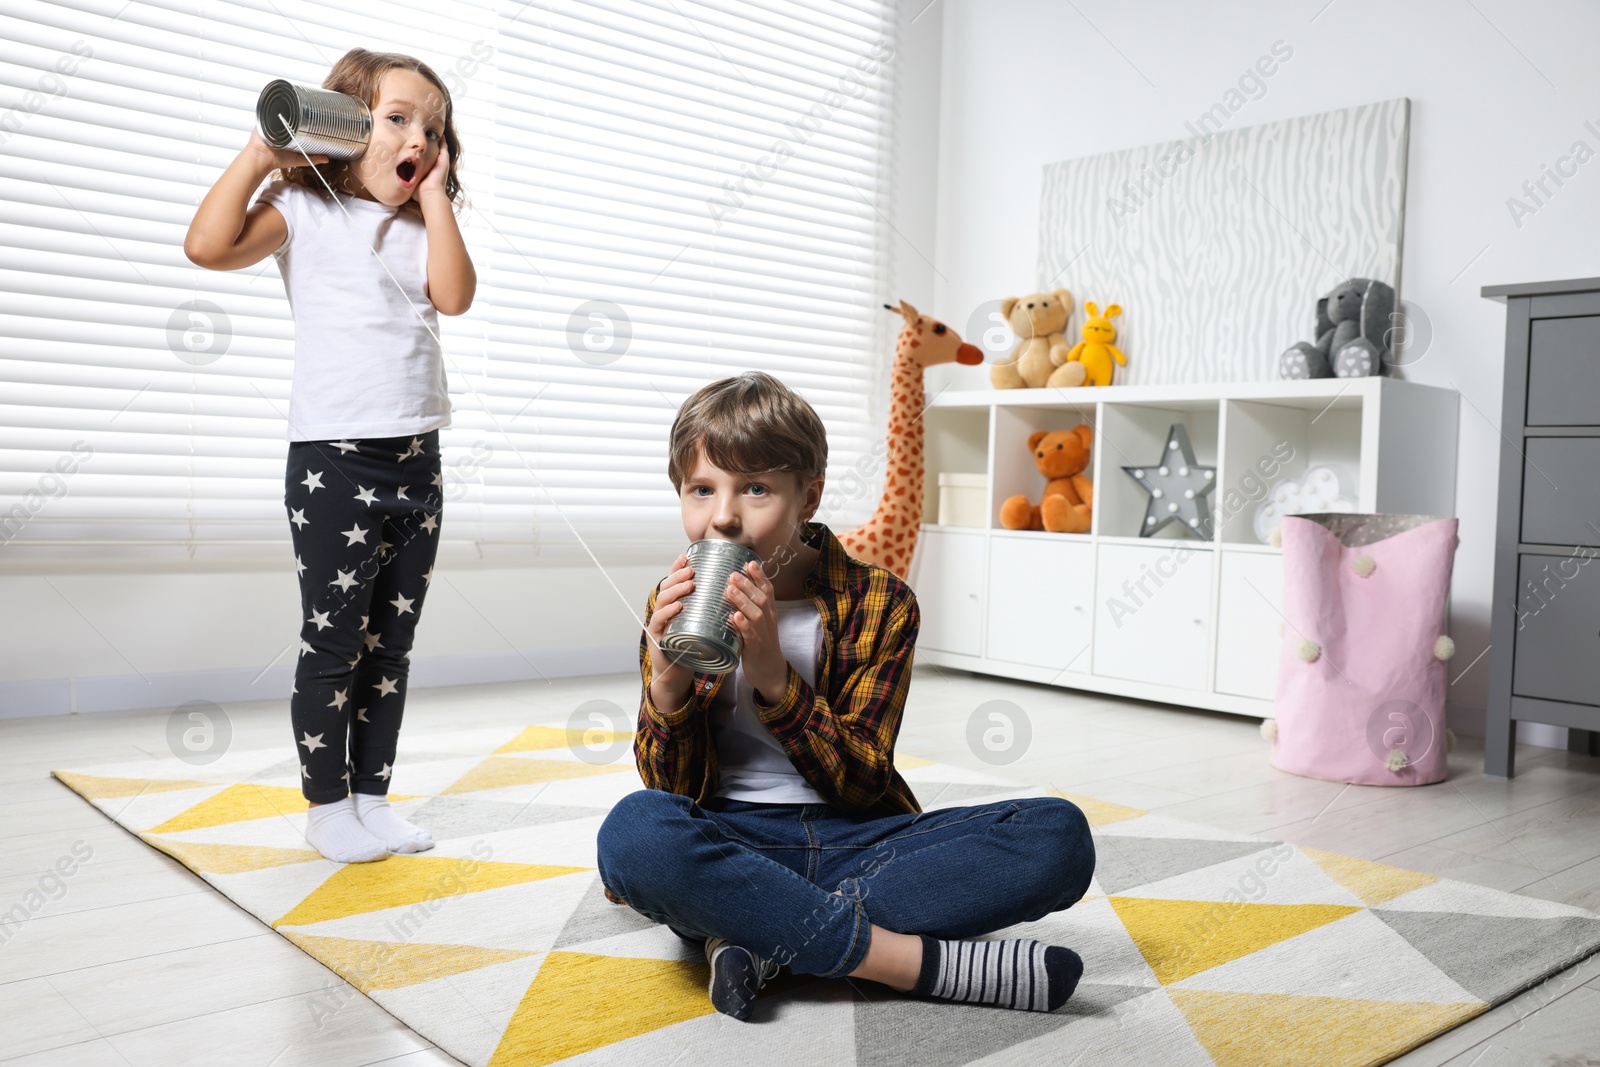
x=842, y=738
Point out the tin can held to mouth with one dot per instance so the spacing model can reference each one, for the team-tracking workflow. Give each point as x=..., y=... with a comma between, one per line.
x=319, y=121
x=700, y=637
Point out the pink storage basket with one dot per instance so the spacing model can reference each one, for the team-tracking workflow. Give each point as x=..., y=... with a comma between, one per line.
x=1362, y=672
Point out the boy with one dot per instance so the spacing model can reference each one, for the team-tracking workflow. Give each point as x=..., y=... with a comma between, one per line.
x=774, y=826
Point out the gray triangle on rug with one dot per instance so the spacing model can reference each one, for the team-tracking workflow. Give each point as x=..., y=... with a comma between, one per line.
x=948, y=1034
x=595, y=918
x=935, y=1033
x=1493, y=956
x=1121, y=863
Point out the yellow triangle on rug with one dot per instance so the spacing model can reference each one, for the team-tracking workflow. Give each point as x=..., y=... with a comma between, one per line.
x=1180, y=938
x=538, y=738
x=1374, y=883
x=356, y=888
x=241, y=803
x=229, y=859
x=370, y=965
x=94, y=787
x=621, y=998
x=1266, y=1029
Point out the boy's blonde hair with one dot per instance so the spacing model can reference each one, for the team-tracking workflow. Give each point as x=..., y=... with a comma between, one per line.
x=748, y=424
x=358, y=73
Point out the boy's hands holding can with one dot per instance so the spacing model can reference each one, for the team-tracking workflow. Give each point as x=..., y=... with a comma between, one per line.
x=667, y=677
x=756, y=619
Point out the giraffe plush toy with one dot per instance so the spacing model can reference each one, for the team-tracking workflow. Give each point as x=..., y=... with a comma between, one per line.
x=890, y=536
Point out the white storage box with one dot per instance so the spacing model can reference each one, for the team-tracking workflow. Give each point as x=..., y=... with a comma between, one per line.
x=963, y=499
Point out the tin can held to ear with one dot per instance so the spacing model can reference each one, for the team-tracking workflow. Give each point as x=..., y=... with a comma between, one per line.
x=700, y=637
x=319, y=121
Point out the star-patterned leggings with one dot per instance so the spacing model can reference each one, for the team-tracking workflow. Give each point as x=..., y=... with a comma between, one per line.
x=364, y=516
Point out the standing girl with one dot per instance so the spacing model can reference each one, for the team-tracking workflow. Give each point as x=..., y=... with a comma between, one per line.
x=369, y=252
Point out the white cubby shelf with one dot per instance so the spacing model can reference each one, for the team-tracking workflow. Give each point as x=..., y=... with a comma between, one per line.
x=1170, y=617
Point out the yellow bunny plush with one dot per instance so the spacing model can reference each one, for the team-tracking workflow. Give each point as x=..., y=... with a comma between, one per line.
x=1096, y=351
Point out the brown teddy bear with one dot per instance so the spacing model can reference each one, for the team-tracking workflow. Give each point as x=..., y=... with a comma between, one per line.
x=1066, y=507
x=1040, y=358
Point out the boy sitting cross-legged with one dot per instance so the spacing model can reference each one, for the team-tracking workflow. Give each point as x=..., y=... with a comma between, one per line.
x=774, y=826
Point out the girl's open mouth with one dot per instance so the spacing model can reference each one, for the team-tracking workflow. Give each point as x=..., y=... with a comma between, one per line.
x=406, y=171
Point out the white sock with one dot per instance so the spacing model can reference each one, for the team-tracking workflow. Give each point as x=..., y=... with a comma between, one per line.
x=334, y=831
x=396, y=833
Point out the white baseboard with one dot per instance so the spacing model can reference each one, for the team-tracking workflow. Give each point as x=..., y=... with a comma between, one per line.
x=130, y=692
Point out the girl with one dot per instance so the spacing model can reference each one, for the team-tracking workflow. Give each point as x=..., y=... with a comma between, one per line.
x=369, y=252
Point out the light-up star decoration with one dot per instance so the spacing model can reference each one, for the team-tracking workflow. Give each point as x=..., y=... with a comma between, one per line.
x=1177, y=486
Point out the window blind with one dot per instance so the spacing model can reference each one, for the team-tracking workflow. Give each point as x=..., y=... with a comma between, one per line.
x=660, y=193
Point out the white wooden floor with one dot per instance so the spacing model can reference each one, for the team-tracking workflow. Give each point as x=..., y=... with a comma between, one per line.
x=140, y=962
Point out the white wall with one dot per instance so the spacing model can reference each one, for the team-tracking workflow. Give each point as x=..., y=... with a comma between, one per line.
x=1498, y=89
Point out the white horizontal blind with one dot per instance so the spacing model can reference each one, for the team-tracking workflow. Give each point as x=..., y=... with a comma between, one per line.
x=661, y=193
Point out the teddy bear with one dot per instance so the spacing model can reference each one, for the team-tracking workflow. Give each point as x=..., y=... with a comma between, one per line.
x=1061, y=456
x=1352, y=332
x=1040, y=357
x=1096, y=351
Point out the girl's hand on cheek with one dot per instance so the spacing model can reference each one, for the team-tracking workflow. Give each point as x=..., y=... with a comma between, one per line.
x=436, y=176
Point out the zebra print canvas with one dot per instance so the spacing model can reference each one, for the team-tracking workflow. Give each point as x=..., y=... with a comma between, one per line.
x=1218, y=246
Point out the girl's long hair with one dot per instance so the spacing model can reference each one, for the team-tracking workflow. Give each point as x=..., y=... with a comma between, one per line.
x=358, y=73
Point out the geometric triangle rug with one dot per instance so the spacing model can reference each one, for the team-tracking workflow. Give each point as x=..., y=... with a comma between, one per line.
x=1200, y=946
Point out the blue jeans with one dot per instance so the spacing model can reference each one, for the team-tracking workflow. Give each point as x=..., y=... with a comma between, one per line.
x=763, y=875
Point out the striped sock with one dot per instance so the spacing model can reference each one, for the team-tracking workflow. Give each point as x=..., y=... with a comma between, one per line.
x=1016, y=973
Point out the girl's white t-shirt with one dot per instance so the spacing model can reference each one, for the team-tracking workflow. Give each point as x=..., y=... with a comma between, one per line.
x=751, y=764
x=364, y=364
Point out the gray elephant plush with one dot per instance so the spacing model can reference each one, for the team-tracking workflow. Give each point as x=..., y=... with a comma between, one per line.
x=1352, y=330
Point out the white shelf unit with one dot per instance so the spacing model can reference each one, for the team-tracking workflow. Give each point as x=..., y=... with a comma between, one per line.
x=1170, y=617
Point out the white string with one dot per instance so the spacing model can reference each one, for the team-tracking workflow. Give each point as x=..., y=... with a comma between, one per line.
x=487, y=410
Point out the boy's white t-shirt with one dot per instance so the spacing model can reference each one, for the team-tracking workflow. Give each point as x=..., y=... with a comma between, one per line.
x=364, y=364
x=751, y=764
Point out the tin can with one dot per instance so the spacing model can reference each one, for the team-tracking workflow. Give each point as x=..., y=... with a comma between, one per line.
x=319, y=121
x=700, y=637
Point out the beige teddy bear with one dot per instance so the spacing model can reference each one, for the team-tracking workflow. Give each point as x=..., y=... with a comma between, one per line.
x=1040, y=358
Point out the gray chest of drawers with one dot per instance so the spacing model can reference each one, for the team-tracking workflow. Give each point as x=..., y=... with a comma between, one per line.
x=1544, y=658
